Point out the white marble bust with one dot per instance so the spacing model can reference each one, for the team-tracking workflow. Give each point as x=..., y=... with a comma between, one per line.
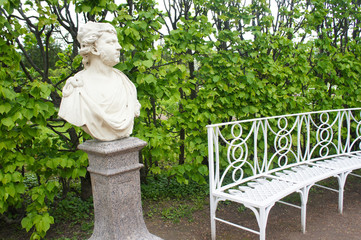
x=100, y=98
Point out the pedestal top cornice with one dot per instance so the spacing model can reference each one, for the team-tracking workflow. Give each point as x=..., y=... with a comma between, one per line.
x=129, y=144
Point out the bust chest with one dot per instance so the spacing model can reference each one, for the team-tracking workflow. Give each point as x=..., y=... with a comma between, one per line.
x=105, y=91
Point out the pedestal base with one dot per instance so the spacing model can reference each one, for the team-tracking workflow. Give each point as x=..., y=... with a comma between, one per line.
x=114, y=171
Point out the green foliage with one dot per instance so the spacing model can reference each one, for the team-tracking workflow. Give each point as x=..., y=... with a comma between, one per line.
x=29, y=147
x=175, y=213
x=207, y=62
x=172, y=200
x=72, y=209
x=161, y=187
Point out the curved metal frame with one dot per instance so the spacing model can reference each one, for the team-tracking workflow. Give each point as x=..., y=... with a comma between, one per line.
x=277, y=148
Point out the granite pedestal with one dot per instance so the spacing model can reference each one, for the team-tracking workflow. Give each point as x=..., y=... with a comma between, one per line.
x=114, y=170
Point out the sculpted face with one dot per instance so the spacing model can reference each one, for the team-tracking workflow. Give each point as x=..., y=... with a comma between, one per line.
x=108, y=48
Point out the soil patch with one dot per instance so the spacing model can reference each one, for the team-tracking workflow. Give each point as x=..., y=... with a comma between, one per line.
x=284, y=223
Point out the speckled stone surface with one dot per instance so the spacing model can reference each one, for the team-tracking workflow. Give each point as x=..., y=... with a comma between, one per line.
x=114, y=170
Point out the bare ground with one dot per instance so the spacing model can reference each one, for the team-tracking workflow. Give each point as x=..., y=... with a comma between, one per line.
x=323, y=220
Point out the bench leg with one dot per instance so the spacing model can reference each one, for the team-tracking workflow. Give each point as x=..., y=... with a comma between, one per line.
x=262, y=217
x=213, y=208
x=304, y=198
x=341, y=185
x=263, y=222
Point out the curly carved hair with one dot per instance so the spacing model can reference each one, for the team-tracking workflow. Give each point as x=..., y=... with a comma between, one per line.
x=88, y=34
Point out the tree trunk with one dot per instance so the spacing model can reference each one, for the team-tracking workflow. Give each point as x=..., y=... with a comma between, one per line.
x=144, y=170
x=181, y=148
x=86, y=187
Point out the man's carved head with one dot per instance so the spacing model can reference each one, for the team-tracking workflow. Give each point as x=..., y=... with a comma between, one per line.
x=99, y=39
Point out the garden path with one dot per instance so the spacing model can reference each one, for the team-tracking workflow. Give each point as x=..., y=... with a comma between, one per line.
x=323, y=220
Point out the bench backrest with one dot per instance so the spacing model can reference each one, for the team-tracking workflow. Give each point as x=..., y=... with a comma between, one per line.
x=241, y=150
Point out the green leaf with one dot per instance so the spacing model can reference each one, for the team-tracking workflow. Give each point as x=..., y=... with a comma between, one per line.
x=82, y=172
x=10, y=189
x=63, y=162
x=216, y=78
x=35, y=236
x=20, y=188
x=148, y=63
x=75, y=173
x=50, y=186
x=27, y=113
x=203, y=170
x=150, y=79
x=112, y=6
x=16, y=177
x=27, y=223
x=188, y=167
x=181, y=169
x=6, y=178
x=5, y=108
x=9, y=94
x=17, y=116
x=76, y=62
x=8, y=122
x=182, y=68
x=86, y=8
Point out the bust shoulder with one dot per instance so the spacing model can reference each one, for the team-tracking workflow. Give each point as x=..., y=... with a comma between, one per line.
x=72, y=83
x=118, y=71
x=121, y=74
x=80, y=73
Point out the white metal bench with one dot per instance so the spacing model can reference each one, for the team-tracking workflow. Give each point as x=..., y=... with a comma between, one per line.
x=258, y=162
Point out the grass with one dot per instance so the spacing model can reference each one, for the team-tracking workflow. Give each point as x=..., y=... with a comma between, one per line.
x=72, y=209
x=73, y=217
x=172, y=201
x=174, y=210
x=163, y=188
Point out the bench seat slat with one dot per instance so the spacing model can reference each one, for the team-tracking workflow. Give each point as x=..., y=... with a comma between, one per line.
x=261, y=192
